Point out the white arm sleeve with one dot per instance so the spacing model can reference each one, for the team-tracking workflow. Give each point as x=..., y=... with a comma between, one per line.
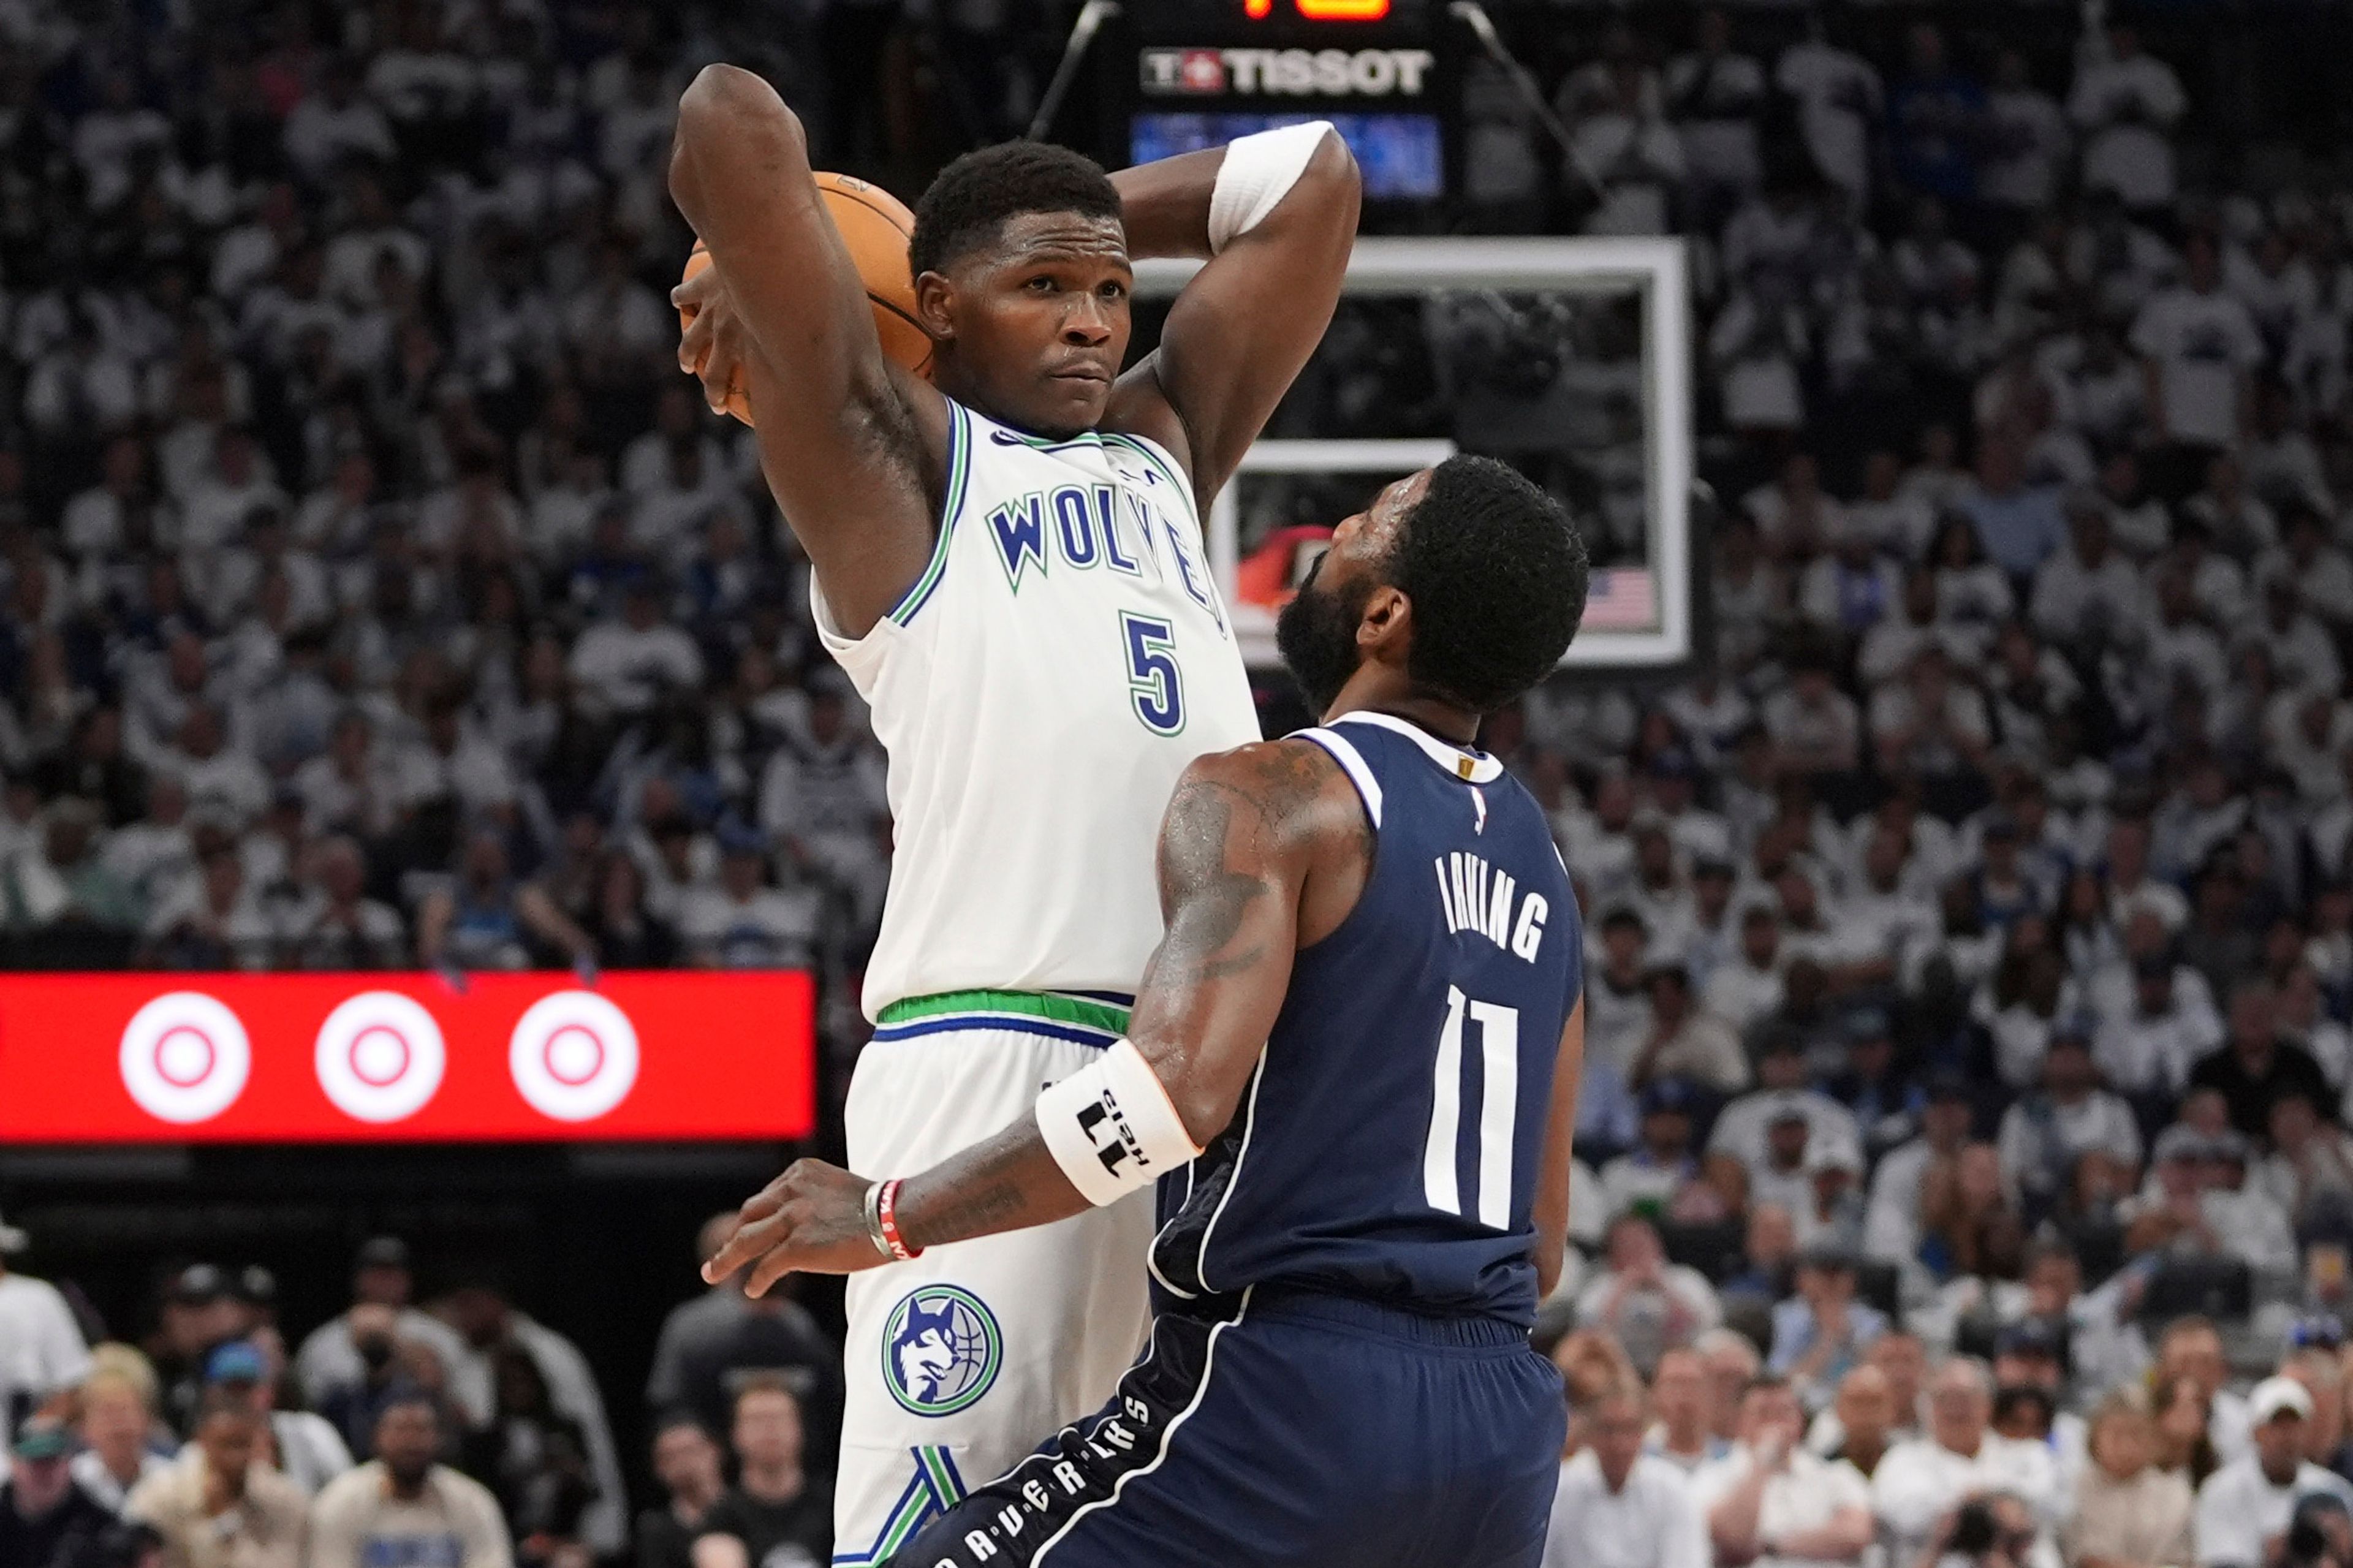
x=1258, y=173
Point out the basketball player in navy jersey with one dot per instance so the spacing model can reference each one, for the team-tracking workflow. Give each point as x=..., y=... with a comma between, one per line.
x=1352, y=1070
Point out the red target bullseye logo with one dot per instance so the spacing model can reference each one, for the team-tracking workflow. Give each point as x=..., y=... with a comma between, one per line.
x=184, y=1057
x=574, y=1055
x=380, y=1057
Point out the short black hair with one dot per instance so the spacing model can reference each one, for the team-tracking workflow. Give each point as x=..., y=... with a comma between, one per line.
x=974, y=196
x=1497, y=574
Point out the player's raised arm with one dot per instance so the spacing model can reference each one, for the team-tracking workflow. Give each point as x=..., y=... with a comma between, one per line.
x=1275, y=217
x=1553, y=1196
x=853, y=448
x=1263, y=849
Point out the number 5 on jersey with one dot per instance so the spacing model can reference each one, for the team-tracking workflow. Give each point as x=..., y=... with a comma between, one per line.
x=1499, y=1036
x=1156, y=685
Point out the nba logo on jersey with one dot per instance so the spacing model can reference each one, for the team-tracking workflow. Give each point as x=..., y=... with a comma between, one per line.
x=941, y=1350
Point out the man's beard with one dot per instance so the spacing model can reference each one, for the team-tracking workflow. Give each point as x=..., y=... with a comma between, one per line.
x=1316, y=635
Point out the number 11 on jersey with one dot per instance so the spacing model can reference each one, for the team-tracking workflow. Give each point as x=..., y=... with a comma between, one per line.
x=1499, y=1036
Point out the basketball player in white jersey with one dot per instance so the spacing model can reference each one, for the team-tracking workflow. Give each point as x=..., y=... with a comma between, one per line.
x=1009, y=562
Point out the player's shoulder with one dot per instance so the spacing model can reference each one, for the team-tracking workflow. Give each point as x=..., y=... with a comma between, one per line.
x=1281, y=774
x=1292, y=789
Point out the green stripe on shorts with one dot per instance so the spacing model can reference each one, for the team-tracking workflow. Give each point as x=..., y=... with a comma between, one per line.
x=1082, y=1011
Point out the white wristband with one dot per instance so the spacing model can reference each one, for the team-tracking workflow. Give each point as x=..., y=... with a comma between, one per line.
x=1258, y=172
x=1112, y=1127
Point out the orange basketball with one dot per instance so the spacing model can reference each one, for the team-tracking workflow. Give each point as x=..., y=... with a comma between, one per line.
x=874, y=225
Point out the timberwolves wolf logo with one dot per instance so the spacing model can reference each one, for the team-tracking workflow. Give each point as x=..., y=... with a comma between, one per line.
x=940, y=1350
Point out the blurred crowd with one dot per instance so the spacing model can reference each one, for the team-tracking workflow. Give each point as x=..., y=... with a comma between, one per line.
x=451, y=1433
x=373, y=590
x=1963, y=1172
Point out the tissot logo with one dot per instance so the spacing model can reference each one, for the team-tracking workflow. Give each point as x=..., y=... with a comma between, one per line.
x=1299, y=73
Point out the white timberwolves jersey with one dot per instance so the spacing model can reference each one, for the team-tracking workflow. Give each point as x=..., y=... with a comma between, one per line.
x=1062, y=658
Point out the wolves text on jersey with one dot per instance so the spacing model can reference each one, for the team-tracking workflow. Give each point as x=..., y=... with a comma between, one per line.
x=1086, y=526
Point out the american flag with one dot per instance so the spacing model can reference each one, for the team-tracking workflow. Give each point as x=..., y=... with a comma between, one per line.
x=1621, y=599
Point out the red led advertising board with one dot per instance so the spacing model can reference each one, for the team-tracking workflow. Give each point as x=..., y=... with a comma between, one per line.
x=337, y=1058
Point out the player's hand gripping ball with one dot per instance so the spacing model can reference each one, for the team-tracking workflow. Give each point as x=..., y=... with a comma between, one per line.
x=875, y=225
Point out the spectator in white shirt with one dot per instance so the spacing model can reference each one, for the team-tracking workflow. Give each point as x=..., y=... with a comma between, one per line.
x=1745, y=1130
x=1681, y=1401
x=2162, y=1032
x=1859, y=1430
x=2258, y=1230
x=335, y=123
x=2244, y=1508
x=2028, y=136
x=1929, y=724
x=1749, y=986
x=2303, y=653
x=743, y=923
x=1921, y=1483
x=2199, y=347
x=1650, y=1304
x=1628, y=147
x=1770, y=1503
x=2125, y=103
x=1619, y=1507
x=628, y=664
x=218, y=777
x=1715, y=95
x=2045, y=1133
x=2311, y=1162
x=1852, y=587
x=1838, y=100
x=42, y=1355
x=2195, y=1205
x=2087, y=591
x=1684, y=1040
x=1651, y=1175
x=1816, y=726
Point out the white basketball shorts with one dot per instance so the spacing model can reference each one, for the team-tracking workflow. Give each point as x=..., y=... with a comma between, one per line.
x=958, y=1363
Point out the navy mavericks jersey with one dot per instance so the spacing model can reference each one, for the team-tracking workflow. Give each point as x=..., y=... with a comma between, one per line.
x=1388, y=1144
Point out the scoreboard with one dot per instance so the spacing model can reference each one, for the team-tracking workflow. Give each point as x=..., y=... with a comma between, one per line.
x=1178, y=75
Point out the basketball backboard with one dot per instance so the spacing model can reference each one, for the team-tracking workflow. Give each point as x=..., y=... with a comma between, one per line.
x=1569, y=357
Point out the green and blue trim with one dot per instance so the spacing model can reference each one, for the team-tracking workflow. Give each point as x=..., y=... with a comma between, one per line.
x=1046, y=442
x=951, y=504
x=1088, y=1018
x=936, y=1489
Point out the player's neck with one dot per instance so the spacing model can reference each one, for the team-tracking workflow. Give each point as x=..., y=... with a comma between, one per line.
x=1374, y=689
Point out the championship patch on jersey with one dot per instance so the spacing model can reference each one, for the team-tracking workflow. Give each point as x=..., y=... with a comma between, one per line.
x=941, y=1350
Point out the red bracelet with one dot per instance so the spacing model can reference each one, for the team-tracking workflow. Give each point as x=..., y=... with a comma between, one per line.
x=886, y=1205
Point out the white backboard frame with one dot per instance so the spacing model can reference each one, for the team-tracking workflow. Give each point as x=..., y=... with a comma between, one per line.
x=1654, y=268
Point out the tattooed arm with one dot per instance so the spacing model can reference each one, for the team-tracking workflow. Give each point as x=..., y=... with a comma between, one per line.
x=1265, y=849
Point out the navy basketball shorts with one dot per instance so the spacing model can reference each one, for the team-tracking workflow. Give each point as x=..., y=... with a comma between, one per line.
x=1300, y=1429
